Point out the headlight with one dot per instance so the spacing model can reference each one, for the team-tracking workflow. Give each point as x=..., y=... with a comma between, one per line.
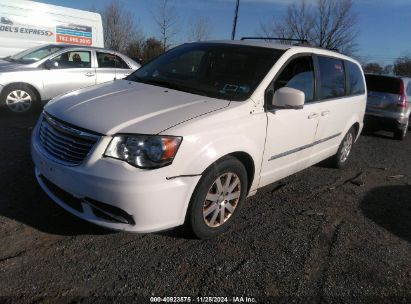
x=144, y=151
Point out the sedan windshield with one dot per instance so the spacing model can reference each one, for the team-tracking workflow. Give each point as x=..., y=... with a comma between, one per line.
x=218, y=70
x=34, y=54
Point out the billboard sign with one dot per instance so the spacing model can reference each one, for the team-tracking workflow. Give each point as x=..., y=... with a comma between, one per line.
x=63, y=33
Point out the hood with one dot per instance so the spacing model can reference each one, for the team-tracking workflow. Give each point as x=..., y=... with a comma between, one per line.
x=129, y=107
x=7, y=66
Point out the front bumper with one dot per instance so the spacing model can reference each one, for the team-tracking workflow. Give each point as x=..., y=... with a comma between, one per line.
x=142, y=200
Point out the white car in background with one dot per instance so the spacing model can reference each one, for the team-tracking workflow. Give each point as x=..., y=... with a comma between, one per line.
x=41, y=73
x=187, y=137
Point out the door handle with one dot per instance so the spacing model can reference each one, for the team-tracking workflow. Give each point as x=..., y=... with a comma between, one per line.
x=89, y=74
x=312, y=115
x=325, y=113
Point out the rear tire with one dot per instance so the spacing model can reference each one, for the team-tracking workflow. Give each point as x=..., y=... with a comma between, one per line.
x=19, y=99
x=400, y=134
x=217, y=198
x=339, y=160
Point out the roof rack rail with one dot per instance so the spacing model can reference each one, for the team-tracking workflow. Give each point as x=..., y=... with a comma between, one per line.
x=276, y=38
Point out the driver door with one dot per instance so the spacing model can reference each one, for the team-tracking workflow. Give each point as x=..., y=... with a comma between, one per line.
x=290, y=133
x=74, y=71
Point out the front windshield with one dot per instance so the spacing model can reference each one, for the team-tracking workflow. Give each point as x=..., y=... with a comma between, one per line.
x=218, y=70
x=34, y=54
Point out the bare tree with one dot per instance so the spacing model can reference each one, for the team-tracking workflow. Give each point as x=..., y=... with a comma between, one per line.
x=134, y=49
x=336, y=25
x=330, y=24
x=119, y=26
x=166, y=18
x=373, y=67
x=297, y=24
x=199, y=29
x=402, y=66
x=151, y=49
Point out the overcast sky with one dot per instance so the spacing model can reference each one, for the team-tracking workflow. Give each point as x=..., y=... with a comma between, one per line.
x=383, y=24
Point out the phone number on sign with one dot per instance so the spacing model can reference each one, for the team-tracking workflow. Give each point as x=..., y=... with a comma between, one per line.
x=73, y=39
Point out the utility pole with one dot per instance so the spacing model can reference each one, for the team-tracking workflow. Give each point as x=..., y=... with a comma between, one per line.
x=235, y=20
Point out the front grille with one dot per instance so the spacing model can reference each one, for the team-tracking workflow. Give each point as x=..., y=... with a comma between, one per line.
x=65, y=143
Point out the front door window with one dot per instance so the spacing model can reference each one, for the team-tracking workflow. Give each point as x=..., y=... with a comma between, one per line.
x=74, y=60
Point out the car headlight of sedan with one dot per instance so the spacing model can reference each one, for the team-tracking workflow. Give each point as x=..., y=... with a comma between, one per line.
x=144, y=151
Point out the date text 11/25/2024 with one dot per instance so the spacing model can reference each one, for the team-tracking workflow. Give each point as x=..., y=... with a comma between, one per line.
x=234, y=299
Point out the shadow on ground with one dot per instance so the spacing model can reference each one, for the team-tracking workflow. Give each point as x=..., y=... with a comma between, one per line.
x=390, y=207
x=377, y=131
x=21, y=198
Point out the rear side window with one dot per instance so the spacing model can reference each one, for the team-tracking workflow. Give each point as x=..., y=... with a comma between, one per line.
x=107, y=60
x=356, y=82
x=332, y=77
x=383, y=84
x=298, y=74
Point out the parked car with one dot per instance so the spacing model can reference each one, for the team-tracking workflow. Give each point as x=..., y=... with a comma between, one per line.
x=188, y=136
x=41, y=73
x=389, y=103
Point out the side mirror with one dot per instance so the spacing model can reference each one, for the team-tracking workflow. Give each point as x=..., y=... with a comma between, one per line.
x=288, y=98
x=49, y=64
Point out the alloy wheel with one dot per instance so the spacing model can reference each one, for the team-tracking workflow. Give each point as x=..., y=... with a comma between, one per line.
x=19, y=101
x=346, y=147
x=222, y=199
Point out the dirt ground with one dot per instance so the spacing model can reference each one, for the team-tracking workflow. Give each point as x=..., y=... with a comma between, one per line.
x=323, y=235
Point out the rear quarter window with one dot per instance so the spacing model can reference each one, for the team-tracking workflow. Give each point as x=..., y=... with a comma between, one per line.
x=107, y=60
x=332, y=77
x=355, y=79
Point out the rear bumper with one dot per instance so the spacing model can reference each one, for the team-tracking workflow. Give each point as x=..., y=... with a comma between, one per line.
x=385, y=121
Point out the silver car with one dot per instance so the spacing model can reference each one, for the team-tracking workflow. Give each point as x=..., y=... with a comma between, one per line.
x=37, y=75
x=388, y=103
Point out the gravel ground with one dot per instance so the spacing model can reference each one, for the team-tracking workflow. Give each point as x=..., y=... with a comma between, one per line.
x=322, y=235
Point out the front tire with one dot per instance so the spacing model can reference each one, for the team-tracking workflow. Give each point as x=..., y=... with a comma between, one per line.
x=339, y=160
x=19, y=99
x=217, y=198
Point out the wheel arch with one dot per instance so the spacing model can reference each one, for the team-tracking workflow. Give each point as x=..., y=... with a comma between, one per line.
x=249, y=165
x=247, y=162
x=356, y=127
x=30, y=86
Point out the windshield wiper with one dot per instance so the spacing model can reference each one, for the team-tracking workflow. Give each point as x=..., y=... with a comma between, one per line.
x=158, y=82
x=179, y=87
x=171, y=85
x=192, y=90
x=161, y=83
x=10, y=59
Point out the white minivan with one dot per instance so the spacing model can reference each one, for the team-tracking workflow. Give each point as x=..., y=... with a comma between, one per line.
x=188, y=136
x=25, y=24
